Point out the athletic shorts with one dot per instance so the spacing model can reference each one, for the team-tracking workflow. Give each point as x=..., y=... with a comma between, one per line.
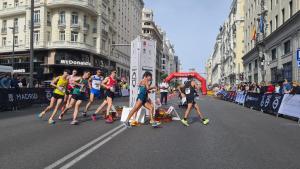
x=190, y=100
x=58, y=96
x=143, y=98
x=80, y=96
x=96, y=92
x=109, y=94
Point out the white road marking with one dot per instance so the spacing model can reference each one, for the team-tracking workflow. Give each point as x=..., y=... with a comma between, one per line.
x=65, y=158
x=92, y=149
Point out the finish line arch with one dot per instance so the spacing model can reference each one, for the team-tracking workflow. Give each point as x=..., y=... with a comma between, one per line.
x=189, y=74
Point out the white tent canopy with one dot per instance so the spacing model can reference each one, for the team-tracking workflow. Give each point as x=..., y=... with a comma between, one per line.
x=6, y=69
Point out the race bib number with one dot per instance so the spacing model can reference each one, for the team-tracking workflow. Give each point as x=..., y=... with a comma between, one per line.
x=62, y=89
x=187, y=91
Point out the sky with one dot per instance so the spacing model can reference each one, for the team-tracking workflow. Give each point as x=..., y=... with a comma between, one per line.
x=192, y=26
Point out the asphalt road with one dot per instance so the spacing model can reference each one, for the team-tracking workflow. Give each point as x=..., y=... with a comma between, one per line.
x=237, y=137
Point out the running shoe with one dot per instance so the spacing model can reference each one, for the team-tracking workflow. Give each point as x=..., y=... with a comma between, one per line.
x=155, y=124
x=74, y=122
x=205, y=121
x=185, y=122
x=109, y=119
x=127, y=124
x=51, y=121
x=60, y=117
x=134, y=123
x=40, y=115
x=94, y=117
x=84, y=114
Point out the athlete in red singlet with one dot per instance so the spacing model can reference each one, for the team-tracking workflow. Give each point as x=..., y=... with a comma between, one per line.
x=109, y=83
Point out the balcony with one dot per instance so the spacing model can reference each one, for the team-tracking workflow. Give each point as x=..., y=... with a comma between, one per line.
x=86, y=28
x=61, y=25
x=13, y=10
x=75, y=26
x=87, y=5
x=71, y=45
x=3, y=31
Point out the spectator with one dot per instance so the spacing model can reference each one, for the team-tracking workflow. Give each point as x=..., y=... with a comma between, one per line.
x=5, y=81
x=164, y=90
x=287, y=87
x=14, y=82
x=23, y=81
x=263, y=88
x=277, y=88
x=270, y=88
x=295, y=88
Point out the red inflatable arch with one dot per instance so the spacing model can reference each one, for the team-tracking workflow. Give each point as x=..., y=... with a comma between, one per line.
x=188, y=74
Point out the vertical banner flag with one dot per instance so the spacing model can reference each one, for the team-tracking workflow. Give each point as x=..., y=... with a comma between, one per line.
x=143, y=58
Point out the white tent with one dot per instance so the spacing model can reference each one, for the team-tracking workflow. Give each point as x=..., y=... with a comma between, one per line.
x=6, y=69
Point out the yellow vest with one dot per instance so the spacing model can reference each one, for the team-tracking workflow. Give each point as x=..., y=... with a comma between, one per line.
x=62, y=84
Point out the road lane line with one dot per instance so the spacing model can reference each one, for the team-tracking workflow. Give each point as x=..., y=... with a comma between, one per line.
x=65, y=158
x=92, y=149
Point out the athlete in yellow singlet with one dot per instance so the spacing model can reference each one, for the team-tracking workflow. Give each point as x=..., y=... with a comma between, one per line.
x=60, y=84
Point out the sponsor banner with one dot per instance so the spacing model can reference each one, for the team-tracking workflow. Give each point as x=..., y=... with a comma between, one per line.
x=290, y=105
x=23, y=97
x=240, y=97
x=253, y=100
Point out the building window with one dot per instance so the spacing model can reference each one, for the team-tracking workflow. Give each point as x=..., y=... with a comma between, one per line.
x=95, y=42
x=250, y=78
x=4, y=41
x=48, y=36
x=287, y=47
x=84, y=38
x=84, y=20
x=288, y=71
x=255, y=64
x=256, y=78
x=271, y=26
x=16, y=23
x=36, y=17
x=4, y=5
x=249, y=67
x=274, y=74
x=283, y=15
x=148, y=15
x=274, y=54
x=62, y=35
x=147, y=23
x=291, y=8
x=74, y=36
x=74, y=20
x=36, y=36
x=103, y=44
x=62, y=17
x=276, y=21
x=48, y=19
x=16, y=3
x=271, y=4
x=16, y=40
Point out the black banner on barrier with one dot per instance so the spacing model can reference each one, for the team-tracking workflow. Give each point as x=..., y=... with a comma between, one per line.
x=253, y=100
x=23, y=97
x=276, y=102
x=266, y=102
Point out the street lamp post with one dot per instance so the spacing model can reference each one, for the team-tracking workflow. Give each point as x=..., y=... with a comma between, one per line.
x=31, y=44
x=13, y=46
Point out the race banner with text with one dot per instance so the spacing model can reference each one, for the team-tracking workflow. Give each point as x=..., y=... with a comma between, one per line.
x=253, y=100
x=23, y=97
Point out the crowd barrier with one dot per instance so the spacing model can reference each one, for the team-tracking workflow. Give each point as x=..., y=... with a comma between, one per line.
x=270, y=102
x=12, y=99
x=23, y=97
